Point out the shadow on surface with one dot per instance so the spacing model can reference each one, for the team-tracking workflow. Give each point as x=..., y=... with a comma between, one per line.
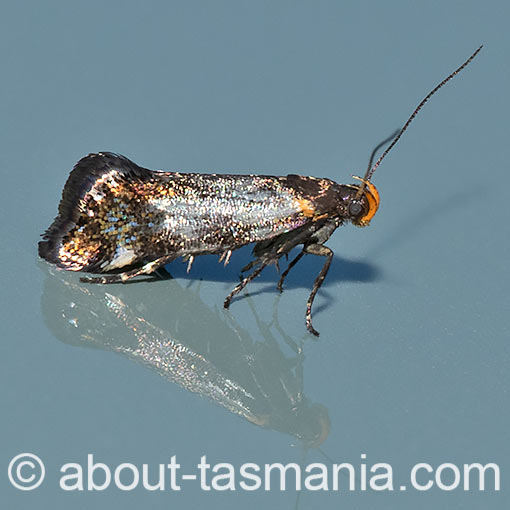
x=303, y=274
x=412, y=224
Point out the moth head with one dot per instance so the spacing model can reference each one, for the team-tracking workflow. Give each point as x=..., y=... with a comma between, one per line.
x=363, y=204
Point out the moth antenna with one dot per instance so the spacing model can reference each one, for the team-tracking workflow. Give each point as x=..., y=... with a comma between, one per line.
x=371, y=170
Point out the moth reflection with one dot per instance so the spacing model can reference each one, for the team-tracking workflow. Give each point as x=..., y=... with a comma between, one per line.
x=194, y=346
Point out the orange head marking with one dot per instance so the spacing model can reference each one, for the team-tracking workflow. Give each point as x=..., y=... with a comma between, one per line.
x=372, y=196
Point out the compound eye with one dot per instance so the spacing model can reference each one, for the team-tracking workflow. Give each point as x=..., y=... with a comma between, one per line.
x=355, y=208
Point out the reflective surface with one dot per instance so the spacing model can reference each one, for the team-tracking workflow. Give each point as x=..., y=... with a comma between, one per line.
x=200, y=349
x=412, y=362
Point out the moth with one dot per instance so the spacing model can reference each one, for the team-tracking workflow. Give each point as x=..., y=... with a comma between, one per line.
x=118, y=218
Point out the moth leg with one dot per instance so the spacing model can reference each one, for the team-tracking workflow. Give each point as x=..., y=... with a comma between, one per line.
x=250, y=264
x=110, y=278
x=293, y=262
x=245, y=281
x=148, y=268
x=323, y=251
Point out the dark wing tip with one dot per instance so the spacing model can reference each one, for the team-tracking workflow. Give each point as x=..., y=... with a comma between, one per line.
x=80, y=181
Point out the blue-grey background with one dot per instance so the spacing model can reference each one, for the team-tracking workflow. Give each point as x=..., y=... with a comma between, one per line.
x=412, y=362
